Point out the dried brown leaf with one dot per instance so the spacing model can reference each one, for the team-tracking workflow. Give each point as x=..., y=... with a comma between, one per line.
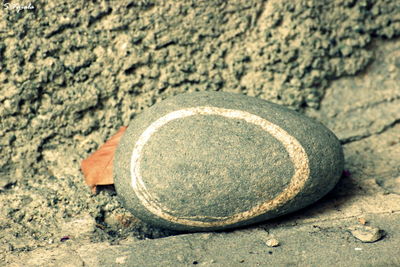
x=98, y=167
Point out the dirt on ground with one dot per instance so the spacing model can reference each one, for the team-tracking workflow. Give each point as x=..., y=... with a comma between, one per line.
x=73, y=72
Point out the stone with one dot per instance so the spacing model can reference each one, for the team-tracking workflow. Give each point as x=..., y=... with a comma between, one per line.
x=5, y=182
x=366, y=234
x=81, y=227
x=211, y=160
x=272, y=242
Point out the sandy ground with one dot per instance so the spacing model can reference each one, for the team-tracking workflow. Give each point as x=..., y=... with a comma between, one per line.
x=68, y=82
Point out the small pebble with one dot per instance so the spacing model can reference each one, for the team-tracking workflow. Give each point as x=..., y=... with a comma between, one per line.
x=64, y=238
x=121, y=260
x=79, y=228
x=392, y=68
x=366, y=234
x=6, y=182
x=272, y=242
x=362, y=221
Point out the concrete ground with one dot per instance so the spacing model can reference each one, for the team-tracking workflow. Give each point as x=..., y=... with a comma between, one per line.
x=364, y=112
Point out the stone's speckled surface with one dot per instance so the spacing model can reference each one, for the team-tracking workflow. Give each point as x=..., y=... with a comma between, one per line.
x=213, y=160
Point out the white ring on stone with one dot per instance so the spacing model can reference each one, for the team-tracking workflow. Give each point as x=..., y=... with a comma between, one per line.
x=295, y=150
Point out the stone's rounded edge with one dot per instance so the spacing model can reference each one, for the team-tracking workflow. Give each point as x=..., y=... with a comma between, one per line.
x=293, y=123
x=121, y=169
x=326, y=164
